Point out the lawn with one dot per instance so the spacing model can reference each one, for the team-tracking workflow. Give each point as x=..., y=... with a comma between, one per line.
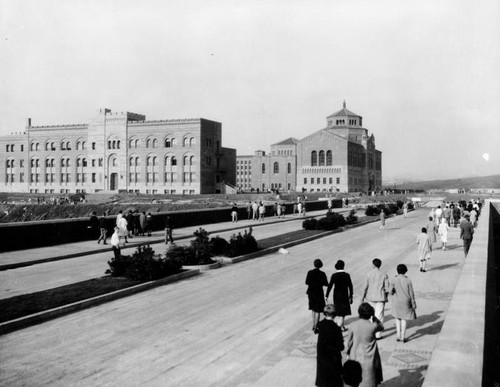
x=26, y=304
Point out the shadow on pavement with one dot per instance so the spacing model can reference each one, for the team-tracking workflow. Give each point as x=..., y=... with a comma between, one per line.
x=432, y=329
x=407, y=377
x=443, y=267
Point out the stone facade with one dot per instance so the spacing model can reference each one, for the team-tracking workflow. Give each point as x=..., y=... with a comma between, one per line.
x=341, y=157
x=118, y=152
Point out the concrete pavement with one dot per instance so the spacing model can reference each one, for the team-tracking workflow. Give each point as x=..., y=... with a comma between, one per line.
x=241, y=325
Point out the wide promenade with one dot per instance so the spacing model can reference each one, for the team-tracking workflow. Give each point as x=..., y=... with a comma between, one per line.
x=245, y=324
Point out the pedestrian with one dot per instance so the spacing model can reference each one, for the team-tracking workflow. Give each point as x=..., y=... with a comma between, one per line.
x=130, y=224
x=330, y=205
x=304, y=208
x=255, y=210
x=121, y=223
x=102, y=229
x=262, y=212
x=137, y=223
x=295, y=209
x=329, y=351
x=142, y=222
x=168, y=231
x=341, y=283
x=299, y=208
x=234, y=213
x=439, y=214
x=424, y=248
x=456, y=215
x=362, y=346
x=382, y=219
x=249, y=210
x=405, y=209
x=447, y=214
x=115, y=243
x=148, y=224
x=443, y=232
x=466, y=233
x=93, y=225
x=403, y=301
x=376, y=290
x=431, y=229
x=473, y=217
x=315, y=281
x=278, y=210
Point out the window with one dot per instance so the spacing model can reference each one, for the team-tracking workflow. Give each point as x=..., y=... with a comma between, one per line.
x=174, y=161
x=192, y=141
x=263, y=168
x=155, y=143
x=314, y=158
x=276, y=167
x=185, y=142
x=63, y=146
x=321, y=158
x=148, y=143
x=305, y=180
x=113, y=162
x=93, y=146
x=338, y=180
x=328, y=157
x=289, y=168
x=168, y=143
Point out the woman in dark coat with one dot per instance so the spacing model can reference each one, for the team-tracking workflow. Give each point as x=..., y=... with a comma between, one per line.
x=342, y=293
x=329, y=348
x=315, y=281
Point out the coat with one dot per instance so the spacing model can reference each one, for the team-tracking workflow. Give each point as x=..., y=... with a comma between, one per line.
x=431, y=230
x=424, y=247
x=376, y=286
x=466, y=230
x=342, y=292
x=329, y=356
x=403, y=298
x=315, y=281
x=362, y=347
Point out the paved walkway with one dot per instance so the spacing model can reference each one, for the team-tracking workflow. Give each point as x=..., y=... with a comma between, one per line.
x=241, y=325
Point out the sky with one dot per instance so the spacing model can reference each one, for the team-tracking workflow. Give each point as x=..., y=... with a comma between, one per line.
x=425, y=75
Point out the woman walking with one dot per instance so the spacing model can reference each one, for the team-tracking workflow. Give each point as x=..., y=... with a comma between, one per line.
x=315, y=281
x=424, y=248
x=431, y=229
x=443, y=232
x=403, y=301
x=329, y=348
x=362, y=346
x=342, y=293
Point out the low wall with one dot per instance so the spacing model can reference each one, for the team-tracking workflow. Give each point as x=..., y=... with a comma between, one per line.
x=457, y=359
x=17, y=236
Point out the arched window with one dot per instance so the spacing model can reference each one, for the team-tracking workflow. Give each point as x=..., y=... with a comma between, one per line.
x=174, y=161
x=276, y=167
x=148, y=141
x=109, y=144
x=192, y=141
x=84, y=145
x=191, y=160
x=113, y=162
x=77, y=162
x=130, y=144
x=186, y=160
x=63, y=145
x=78, y=145
x=174, y=142
x=137, y=161
x=46, y=146
x=52, y=146
x=185, y=142
x=314, y=158
x=263, y=168
x=329, y=158
x=168, y=143
x=289, y=168
x=148, y=161
x=114, y=144
x=321, y=158
x=155, y=143
x=62, y=162
x=131, y=162
x=155, y=161
x=117, y=144
x=68, y=146
x=136, y=143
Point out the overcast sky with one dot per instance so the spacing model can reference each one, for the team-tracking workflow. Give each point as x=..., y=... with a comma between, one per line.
x=425, y=75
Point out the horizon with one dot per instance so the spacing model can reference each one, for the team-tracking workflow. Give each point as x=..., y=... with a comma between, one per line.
x=424, y=76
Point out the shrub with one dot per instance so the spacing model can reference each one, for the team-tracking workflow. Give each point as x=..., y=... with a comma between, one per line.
x=201, y=247
x=143, y=265
x=391, y=208
x=399, y=203
x=218, y=245
x=372, y=211
x=351, y=218
x=310, y=224
x=182, y=254
x=241, y=244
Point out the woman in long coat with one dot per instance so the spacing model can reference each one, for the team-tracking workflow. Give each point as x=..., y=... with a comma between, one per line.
x=342, y=293
x=315, y=281
x=362, y=346
x=443, y=232
x=403, y=301
x=329, y=348
x=431, y=229
x=424, y=248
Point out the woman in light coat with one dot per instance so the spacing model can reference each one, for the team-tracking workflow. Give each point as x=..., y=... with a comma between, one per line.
x=403, y=301
x=443, y=232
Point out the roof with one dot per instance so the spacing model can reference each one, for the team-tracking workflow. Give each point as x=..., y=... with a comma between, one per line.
x=288, y=141
x=344, y=113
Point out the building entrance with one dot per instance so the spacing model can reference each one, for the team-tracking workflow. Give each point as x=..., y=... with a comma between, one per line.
x=113, y=181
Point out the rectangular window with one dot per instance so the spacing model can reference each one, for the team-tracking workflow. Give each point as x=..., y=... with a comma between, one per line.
x=305, y=180
x=317, y=180
x=324, y=180
x=21, y=177
x=93, y=145
x=93, y=162
x=338, y=180
x=330, y=180
x=100, y=162
x=93, y=177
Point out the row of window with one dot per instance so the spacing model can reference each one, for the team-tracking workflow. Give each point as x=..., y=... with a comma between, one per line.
x=321, y=158
x=168, y=142
x=276, y=167
x=319, y=180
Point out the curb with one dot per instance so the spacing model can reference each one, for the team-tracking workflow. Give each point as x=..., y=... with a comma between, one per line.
x=210, y=266
x=37, y=318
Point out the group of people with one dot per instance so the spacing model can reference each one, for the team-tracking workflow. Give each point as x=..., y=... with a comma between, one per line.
x=363, y=359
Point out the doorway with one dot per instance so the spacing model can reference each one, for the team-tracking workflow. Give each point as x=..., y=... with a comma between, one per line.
x=113, y=182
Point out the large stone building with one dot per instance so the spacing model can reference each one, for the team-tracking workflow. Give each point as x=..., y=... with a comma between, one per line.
x=338, y=158
x=118, y=152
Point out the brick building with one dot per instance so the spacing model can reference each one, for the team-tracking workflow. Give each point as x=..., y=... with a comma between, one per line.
x=118, y=152
x=341, y=157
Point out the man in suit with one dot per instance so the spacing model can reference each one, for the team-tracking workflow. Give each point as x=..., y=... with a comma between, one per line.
x=376, y=290
x=466, y=232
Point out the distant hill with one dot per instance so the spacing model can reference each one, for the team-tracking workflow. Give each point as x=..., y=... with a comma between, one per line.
x=465, y=183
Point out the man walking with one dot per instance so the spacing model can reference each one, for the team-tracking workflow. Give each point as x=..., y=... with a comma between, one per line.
x=102, y=228
x=466, y=232
x=376, y=290
x=168, y=231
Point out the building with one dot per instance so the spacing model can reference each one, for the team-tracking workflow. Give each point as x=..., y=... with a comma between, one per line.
x=118, y=152
x=341, y=157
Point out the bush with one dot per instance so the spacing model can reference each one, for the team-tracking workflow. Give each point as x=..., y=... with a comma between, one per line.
x=182, y=254
x=391, y=208
x=351, y=218
x=143, y=265
x=241, y=244
x=219, y=245
x=202, y=248
x=372, y=211
x=310, y=224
